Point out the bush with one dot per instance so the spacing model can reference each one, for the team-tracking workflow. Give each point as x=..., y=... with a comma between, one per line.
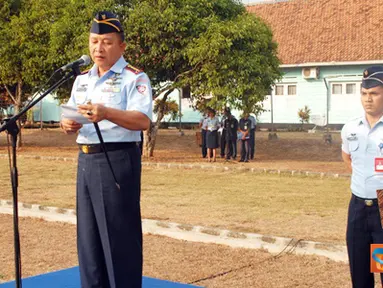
x=304, y=115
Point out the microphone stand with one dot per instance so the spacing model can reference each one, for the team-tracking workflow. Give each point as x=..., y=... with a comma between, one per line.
x=98, y=131
x=10, y=125
x=102, y=143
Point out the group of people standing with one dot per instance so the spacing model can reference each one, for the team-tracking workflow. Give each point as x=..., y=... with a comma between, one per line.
x=230, y=132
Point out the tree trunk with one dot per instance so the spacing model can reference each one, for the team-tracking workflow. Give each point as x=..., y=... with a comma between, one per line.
x=150, y=135
x=150, y=140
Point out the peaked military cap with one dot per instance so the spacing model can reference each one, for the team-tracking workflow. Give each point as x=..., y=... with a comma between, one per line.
x=106, y=22
x=372, y=77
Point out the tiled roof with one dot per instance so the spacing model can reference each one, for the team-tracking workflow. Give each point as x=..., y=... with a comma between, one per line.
x=325, y=30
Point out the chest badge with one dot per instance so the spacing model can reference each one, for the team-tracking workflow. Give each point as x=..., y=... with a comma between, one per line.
x=352, y=137
x=82, y=88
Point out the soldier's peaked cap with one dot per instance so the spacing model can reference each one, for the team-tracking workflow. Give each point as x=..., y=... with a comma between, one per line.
x=106, y=22
x=372, y=77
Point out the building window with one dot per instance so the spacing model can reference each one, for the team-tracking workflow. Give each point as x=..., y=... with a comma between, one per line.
x=345, y=88
x=278, y=90
x=351, y=88
x=285, y=89
x=292, y=90
x=337, y=89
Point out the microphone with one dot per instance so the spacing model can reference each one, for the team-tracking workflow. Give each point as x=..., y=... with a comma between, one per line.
x=83, y=61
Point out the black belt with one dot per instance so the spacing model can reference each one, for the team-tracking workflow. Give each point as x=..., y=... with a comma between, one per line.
x=367, y=202
x=97, y=148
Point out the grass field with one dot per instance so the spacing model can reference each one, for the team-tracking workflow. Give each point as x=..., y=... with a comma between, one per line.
x=302, y=207
x=293, y=150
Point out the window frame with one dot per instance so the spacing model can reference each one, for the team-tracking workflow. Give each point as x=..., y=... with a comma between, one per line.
x=344, y=87
x=285, y=88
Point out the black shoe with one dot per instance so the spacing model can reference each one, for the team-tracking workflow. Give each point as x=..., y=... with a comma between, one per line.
x=246, y=161
x=241, y=160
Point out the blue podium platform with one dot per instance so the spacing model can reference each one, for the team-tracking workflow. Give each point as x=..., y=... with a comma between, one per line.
x=70, y=278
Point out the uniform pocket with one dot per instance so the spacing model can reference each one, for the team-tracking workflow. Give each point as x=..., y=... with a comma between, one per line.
x=111, y=99
x=80, y=98
x=353, y=146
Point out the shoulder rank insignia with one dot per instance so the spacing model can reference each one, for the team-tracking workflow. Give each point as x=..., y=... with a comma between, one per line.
x=133, y=69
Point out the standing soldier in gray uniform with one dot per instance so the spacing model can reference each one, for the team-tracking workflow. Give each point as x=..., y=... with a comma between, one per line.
x=252, y=136
x=362, y=147
x=244, y=127
x=223, y=140
x=230, y=125
x=109, y=233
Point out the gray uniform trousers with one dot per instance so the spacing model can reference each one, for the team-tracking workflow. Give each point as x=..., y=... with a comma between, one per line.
x=108, y=220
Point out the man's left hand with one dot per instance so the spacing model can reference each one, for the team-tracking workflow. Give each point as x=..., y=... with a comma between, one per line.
x=94, y=112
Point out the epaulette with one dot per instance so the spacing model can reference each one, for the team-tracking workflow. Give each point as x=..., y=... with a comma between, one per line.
x=133, y=69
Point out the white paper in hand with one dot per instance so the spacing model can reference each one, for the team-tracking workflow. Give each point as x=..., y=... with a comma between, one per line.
x=70, y=112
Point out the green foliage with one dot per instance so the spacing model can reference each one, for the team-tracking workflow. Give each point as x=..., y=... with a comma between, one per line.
x=213, y=46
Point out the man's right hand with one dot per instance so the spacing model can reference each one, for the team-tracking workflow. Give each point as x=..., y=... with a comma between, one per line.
x=70, y=126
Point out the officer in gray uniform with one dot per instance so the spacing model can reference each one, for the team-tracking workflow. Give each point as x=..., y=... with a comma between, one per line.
x=252, y=136
x=109, y=233
x=362, y=147
x=223, y=140
x=230, y=125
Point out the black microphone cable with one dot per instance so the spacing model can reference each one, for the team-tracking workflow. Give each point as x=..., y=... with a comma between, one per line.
x=220, y=274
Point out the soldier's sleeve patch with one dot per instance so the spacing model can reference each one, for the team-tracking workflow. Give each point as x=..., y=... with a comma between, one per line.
x=142, y=88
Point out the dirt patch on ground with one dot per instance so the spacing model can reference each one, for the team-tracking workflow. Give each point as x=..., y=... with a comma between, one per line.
x=52, y=246
x=293, y=150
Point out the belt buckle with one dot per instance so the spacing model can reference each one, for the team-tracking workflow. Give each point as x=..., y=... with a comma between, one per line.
x=85, y=149
x=368, y=203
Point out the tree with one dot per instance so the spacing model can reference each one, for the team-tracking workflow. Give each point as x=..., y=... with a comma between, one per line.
x=213, y=46
x=23, y=38
x=37, y=39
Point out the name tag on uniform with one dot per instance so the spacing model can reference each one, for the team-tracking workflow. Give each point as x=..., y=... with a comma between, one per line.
x=378, y=164
x=111, y=90
x=81, y=89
